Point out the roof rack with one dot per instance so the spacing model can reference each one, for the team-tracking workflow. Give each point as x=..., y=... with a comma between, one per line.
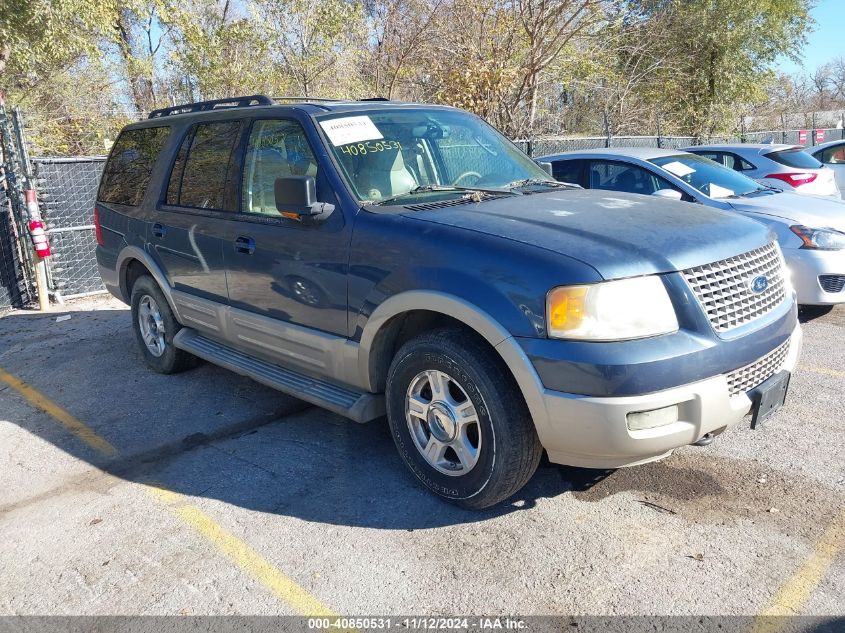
x=301, y=99
x=204, y=106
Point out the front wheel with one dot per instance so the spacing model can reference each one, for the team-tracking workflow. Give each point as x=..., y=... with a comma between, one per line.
x=459, y=420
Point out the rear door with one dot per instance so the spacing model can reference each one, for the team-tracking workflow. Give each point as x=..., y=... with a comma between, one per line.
x=196, y=209
x=292, y=271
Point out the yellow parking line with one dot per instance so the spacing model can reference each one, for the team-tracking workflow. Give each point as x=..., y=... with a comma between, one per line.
x=247, y=559
x=242, y=554
x=795, y=593
x=823, y=370
x=40, y=401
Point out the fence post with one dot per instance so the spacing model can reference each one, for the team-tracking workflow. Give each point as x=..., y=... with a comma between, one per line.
x=41, y=241
x=659, y=135
x=742, y=129
x=783, y=128
x=529, y=145
x=813, y=135
x=607, y=137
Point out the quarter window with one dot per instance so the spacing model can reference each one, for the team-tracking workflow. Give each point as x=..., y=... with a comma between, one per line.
x=204, y=169
x=130, y=166
x=277, y=149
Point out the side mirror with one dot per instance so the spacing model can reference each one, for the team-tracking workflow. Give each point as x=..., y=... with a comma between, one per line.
x=296, y=199
x=546, y=167
x=671, y=194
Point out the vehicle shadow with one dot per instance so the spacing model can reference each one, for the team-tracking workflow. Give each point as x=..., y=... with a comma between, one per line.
x=811, y=313
x=212, y=434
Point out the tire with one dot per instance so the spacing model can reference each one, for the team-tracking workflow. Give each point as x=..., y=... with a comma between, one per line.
x=474, y=461
x=149, y=304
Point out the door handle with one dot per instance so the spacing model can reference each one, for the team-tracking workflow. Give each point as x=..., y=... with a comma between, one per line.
x=245, y=245
x=159, y=230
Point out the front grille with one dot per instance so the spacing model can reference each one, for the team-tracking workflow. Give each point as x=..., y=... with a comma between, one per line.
x=746, y=378
x=832, y=283
x=724, y=288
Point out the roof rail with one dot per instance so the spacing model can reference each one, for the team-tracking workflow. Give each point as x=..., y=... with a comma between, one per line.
x=302, y=99
x=204, y=106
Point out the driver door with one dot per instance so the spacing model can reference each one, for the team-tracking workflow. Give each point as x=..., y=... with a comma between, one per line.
x=278, y=267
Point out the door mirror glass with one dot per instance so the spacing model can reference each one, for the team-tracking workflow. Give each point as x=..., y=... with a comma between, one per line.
x=671, y=194
x=546, y=167
x=296, y=198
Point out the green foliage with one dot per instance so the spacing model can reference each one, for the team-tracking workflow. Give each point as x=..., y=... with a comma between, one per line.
x=716, y=56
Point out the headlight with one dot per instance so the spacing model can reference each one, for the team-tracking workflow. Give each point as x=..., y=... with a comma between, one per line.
x=820, y=239
x=611, y=310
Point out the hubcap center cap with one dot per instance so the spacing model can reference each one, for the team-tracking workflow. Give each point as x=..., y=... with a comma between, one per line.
x=441, y=422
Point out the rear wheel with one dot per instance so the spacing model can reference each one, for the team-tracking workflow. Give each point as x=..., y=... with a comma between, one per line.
x=459, y=420
x=155, y=326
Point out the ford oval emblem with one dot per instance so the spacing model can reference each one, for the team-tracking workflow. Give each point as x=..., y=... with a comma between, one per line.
x=759, y=284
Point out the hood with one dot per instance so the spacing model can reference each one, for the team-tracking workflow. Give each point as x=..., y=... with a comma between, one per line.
x=810, y=211
x=618, y=234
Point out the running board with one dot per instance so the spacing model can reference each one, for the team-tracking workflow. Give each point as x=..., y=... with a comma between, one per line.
x=356, y=405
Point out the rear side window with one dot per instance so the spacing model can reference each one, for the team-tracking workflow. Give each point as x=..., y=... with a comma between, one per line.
x=204, y=169
x=130, y=166
x=794, y=158
x=571, y=171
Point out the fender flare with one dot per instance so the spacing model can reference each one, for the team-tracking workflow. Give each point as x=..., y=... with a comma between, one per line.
x=473, y=317
x=133, y=252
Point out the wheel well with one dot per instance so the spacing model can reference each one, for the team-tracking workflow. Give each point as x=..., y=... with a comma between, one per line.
x=131, y=272
x=401, y=329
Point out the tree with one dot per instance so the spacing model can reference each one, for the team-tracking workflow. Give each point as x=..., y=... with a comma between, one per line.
x=724, y=50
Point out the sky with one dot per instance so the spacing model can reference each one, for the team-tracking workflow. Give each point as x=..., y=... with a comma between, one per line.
x=825, y=42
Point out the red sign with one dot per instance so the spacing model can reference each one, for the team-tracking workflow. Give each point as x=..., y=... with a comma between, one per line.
x=802, y=137
x=819, y=136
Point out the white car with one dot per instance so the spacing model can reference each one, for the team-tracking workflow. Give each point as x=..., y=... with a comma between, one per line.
x=785, y=167
x=832, y=155
x=810, y=230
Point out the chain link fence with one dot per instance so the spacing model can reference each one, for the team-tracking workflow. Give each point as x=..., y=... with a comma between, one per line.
x=557, y=145
x=66, y=190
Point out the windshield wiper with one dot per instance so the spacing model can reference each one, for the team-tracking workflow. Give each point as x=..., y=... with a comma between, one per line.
x=527, y=182
x=447, y=188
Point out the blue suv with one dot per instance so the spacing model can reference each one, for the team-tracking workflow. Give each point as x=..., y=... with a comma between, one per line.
x=380, y=258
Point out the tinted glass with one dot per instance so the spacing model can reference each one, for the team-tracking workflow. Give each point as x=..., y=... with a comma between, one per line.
x=570, y=171
x=389, y=153
x=209, y=167
x=623, y=177
x=178, y=169
x=129, y=168
x=794, y=158
x=709, y=177
x=833, y=155
x=277, y=149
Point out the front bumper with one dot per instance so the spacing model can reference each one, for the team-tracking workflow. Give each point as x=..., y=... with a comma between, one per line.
x=593, y=432
x=806, y=265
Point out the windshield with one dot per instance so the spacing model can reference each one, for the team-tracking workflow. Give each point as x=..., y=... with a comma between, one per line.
x=710, y=178
x=394, y=153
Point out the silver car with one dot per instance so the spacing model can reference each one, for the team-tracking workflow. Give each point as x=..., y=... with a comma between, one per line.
x=811, y=231
x=832, y=155
x=785, y=167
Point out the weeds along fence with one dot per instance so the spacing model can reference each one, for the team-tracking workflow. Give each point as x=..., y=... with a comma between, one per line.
x=66, y=188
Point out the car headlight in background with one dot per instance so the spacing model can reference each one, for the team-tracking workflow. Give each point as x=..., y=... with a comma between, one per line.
x=820, y=239
x=611, y=310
